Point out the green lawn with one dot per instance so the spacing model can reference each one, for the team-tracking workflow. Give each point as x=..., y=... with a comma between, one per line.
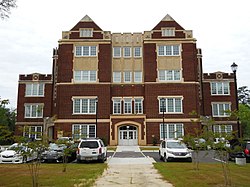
x=16, y=175
x=183, y=174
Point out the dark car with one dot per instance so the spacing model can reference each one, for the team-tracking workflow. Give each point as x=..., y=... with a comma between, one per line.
x=240, y=150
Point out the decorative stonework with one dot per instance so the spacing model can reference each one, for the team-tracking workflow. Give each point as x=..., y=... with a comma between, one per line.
x=86, y=19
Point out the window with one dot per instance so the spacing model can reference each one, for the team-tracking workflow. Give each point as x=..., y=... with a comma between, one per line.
x=137, y=76
x=83, y=131
x=84, y=106
x=85, y=51
x=33, y=110
x=223, y=129
x=171, y=131
x=220, y=109
x=117, y=52
x=33, y=132
x=116, y=76
x=127, y=76
x=127, y=105
x=86, y=32
x=117, y=106
x=137, y=52
x=170, y=105
x=34, y=89
x=169, y=50
x=168, y=32
x=219, y=88
x=85, y=76
x=169, y=75
x=138, y=106
x=127, y=52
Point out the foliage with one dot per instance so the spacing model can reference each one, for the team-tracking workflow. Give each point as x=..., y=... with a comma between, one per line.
x=7, y=123
x=244, y=95
x=209, y=175
x=244, y=117
x=5, y=6
x=52, y=175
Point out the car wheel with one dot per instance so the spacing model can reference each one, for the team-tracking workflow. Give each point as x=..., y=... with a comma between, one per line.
x=102, y=160
x=24, y=159
x=189, y=159
x=165, y=158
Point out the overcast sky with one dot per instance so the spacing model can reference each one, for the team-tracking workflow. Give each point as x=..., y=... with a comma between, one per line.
x=27, y=38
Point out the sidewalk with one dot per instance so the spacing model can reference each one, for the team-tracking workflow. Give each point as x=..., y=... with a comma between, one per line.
x=131, y=171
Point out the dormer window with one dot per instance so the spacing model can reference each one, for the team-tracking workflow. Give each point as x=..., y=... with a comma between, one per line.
x=168, y=32
x=86, y=32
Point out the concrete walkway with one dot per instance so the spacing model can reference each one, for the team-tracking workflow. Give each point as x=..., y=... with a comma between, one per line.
x=130, y=171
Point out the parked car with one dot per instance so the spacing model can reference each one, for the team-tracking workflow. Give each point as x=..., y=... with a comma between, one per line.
x=13, y=154
x=240, y=150
x=91, y=149
x=65, y=139
x=225, y=143
x=54, y=153
x=174, y=149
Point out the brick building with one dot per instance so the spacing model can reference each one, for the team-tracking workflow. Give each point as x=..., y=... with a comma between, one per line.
x=124, y=86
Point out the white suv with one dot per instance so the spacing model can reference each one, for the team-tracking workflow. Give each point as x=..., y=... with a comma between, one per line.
x=174, y=149
x=91, y=149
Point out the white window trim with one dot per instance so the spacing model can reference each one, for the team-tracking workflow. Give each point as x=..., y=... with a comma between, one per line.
x=80, y=135
x=217, y=105
x=81, y=72
x=218, y=89
x=114, y=55
x=166, y=104
x=140, y=52
x=164, y=33
x=81, y=103
x=115, y=99
x=125, y=53
x=130, y=76
x=135, y=80
x=167, y=130
x=165, y=50
x=173, y=75
x=35, y=132
x=114, y=77
x=37, y=106
x=141, y=102
x=89, y=50
x=220, y=127
x=131, y=105
x=32, y=88
x=86, y=29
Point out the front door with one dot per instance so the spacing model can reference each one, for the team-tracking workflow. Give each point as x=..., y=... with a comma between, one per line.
x=128, y=135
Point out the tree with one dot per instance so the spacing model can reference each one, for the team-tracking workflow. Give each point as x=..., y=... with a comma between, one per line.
x=7, y=122
x=244, y=95
x=244, y=116
x=5, y=6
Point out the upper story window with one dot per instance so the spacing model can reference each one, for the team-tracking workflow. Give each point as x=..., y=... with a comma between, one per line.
x=137, y=76
x=168, y=32
x=127, y=52
x=220, y=88
x=127, y=105
x=170, y=105
x=117, y=105
x=137, y=52
x=85, y=51
x=116, y=76
x=220, y=109
x=85, y=76
x=33, y=110
x=117, y=52
x=169, y=75
x=34, y=89
x=84, y=106
x=138, y=106
x=127, y=76
x=86, y=32
x=169, y=50
x=223, y=129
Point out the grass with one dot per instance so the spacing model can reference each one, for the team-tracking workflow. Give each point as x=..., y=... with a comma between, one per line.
x=183, y=174
x=150, y=148
x=15, y=175
x=111, y=148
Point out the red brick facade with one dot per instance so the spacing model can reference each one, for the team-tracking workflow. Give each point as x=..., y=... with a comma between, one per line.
x=70, y=102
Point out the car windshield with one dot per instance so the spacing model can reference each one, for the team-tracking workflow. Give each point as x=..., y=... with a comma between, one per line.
x=176, y=145
x=89, y=144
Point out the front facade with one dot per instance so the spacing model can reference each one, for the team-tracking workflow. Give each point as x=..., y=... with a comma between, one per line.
x=127, y=88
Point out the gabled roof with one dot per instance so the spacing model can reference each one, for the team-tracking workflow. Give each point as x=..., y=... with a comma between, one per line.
x=168, y=21
x=86, y=18
x=167, y=18
x=86, y=22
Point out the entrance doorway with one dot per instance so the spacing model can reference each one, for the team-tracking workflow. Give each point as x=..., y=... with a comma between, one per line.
x=128, y=135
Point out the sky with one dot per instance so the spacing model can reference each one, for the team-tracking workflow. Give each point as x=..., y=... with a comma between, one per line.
x=28, y=37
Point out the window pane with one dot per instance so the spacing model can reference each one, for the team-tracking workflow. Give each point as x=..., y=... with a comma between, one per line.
x=33, y=110
x=41, y=89
x=78, y=50
x=77, y=75
x=171, y=132
x=92, y=131
x=76, y=105
x=117, y=76
x=162, y=102
x=221, y=110
x=93, y=76
x=27, y=111
x=215, y=110
x=161, y=50
x=177, y=75
x=226, y=88
x=84, y=131
x=127, y=51
x=28, y=89
x=168, y=50
x=178, y=105
x=179, y=130
x=170, y=103
x=127, y=76
x=161, y=75
x=92, y=106
x=176, y=50
x=85, y=105
x=92, y=50
x=117, y=51
x=137, y=52
x=76, y=132
x=169, y=75
x=35, y=89
x=219, y=86
x=138, y=76
x=213, y=87
x=85, y=50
